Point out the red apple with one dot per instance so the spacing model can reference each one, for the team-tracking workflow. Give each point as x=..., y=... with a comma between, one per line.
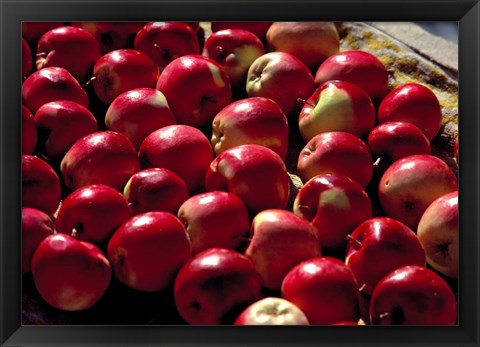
x=397, y=140
x=438, y=233
x=413, y=295
x=196, y=88
x=258, y=28
x=215, y=219
x=255, y=173
x=51, y=84
x=272, y=311
x=103, y=157
x=235, y=50
x=155, y=189
x=279, y=240
x=40, y=185
x=83, y=213
x=32, y=31
x=65, y=122
x=36, y=226
x=335, y=205
x=215, y=286
x=336, y=152
x=311, y=42
x=357, y=67
x=69, y=47
x=70, y=275
x=281, y=77
x=29, y=131
x=182, y=149
x=377, y=247
x=411, y=184
x=147, y=251
x=163, y=42
x=27, y=59
x=122, y=70
x=337, y=106
x=253, y=120
x=137, y=113
x=325, y=289
x=413, y=103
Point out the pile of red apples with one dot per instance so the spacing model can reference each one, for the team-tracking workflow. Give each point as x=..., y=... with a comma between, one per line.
x=161, y=157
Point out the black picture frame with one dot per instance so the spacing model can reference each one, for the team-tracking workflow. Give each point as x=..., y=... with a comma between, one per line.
x=13, y=12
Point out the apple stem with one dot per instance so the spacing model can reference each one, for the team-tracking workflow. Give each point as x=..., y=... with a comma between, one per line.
x=305, y=102
x=74, y=232
x=350, y=237
x=362, y=288
x=41, y=55
x=86, y=84
x=383, y=315
x=376, y=163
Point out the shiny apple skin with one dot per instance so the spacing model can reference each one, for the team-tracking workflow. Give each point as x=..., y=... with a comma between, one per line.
x=40, y=185
x=147, y=251
x=36, y=226
x=182, y=149
x=82, y=213
x=70, y=275
x=413, y=103
x=27, y=59
x=336, y=152
x=377, y=247
x=397, y=140
x=72, y=48
x=256, y=174
x=357, y=67
x=155, y=189
x=411, y=184
x=413, y=295
x=253, y=120
x=214, y=285
x=335, y=205
x=325, y=289
x=196, y=88
x=51, y=84
x=29, y=131
x=103, y=157
x=258, y=28
x=67, y=121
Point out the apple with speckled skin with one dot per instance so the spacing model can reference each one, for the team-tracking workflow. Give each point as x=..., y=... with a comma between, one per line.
x=65, y=122
x=121, y=70
x=335, y=205
x=336, y=152
x=253, y=172
x=281, y=77
x=438, y=233
x=311, y=42
x=27, y=59
x=411, y=184
x=29, y=131
x=215, y=219
x=155, y=189
x=103, y=157
x=147, y=251
x=163, y=42
x=413, y=103
x=337, y=106
x=69, y=274
x=196, y=88
x=139, y=112
x=279, y=240
x=253, y=120
x=235, y=50
x=215, y=286
x=72, y=48
x=325, y=289
x=258, y=28
x=357, y=67
x=40, y=185
x=36, y=226
x=182, y=149
x=82, y=213
x=377, y=247
x=396, y=140
x=272, y=311
x=51, y=84
x=413, y=295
